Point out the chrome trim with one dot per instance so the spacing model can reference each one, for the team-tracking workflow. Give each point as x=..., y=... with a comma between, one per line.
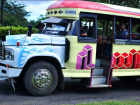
x=2, y=51
x=42, y=78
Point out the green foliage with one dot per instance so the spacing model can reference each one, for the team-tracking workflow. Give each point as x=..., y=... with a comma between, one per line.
x=15, y=30
x=14, y=14
x=112, y=103
x=41, y=17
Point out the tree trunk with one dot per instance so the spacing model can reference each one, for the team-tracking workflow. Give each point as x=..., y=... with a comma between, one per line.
x=2, y=12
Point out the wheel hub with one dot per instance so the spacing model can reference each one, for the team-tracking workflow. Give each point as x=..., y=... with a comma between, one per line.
x=42, y=78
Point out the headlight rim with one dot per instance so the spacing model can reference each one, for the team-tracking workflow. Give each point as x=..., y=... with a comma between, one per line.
x=11, y=54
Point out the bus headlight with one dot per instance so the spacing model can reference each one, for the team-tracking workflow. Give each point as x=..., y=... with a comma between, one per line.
x=9, y=55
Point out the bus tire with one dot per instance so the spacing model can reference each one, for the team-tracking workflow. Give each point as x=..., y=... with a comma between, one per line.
x=128, y=79
x=40, y=79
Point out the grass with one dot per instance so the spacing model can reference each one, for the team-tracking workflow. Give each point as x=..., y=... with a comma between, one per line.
x=112, y=103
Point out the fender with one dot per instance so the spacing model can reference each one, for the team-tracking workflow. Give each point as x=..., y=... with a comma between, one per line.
x=45, y=55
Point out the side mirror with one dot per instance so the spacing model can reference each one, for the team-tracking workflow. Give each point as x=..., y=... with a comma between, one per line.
x=29, y=30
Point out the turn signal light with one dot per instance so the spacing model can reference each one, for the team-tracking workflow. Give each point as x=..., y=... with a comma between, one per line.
x=8, y=66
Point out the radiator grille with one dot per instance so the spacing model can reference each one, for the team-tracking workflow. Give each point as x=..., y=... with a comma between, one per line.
x=1, y=51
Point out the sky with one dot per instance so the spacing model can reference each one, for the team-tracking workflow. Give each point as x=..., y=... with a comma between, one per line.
x=36, y=7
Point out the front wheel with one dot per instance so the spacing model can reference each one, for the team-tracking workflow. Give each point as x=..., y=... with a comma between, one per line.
x=41, y=78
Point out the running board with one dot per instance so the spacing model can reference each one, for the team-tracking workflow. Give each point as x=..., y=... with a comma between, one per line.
x=99, y=86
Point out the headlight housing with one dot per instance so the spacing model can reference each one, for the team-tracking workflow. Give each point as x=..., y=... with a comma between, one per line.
x=9, y=55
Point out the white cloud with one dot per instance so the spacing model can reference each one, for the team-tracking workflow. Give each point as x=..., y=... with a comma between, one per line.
x=36, y=8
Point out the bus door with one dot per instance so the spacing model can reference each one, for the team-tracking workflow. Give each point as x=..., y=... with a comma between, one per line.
x=83, y=47
x=83, y=51
x=106, y=41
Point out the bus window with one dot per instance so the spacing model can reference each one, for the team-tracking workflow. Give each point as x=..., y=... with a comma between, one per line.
x=87, y=27
x=135, y=29
x=72, y=30
x=122, y=28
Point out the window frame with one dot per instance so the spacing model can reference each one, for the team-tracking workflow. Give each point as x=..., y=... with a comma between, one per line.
x=87, y=39
x=129, y=41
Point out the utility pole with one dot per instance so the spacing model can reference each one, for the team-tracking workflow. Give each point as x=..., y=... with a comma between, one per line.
x=2, y=13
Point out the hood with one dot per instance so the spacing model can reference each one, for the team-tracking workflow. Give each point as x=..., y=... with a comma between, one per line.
x=34, y=39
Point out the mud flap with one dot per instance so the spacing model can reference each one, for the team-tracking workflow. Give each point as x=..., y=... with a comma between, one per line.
x=11, y=82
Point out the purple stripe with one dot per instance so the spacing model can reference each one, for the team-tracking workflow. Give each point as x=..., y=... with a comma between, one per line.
x=91, y=78
x=110, y=69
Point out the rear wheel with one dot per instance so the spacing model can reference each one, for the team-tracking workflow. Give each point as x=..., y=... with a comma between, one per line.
x=128, y=79
x=41, y=78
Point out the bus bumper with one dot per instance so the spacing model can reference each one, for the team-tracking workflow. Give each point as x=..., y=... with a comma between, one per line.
x=6, y=73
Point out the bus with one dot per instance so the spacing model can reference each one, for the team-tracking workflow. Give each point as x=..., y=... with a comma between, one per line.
x=81, y=40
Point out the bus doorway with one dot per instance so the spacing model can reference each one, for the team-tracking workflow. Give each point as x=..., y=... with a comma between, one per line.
x=104, y=37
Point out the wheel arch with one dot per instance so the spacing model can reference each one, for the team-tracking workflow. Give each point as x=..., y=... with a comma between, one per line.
x=51, y=60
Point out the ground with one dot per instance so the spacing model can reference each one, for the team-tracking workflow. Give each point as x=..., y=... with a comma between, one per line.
x=72, y=94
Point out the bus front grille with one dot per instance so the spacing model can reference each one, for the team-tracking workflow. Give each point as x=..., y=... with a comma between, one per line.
x=1, y=51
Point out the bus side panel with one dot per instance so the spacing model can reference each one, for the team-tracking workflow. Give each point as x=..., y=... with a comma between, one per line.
x=125, y=57
x=82, y=55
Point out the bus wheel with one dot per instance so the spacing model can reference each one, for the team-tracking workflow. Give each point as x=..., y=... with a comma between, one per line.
x=128, y=79
x=41, y=78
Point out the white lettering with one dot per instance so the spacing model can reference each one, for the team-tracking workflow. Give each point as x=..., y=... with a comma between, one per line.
x=120, y=42
x=70, y=12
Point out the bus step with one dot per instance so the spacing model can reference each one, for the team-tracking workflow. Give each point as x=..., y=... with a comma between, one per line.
x=98, y=71
x=97, y=62
x=98, y=79
x=99, y=85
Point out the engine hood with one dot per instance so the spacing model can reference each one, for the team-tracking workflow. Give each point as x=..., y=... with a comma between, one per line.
x=41, y=39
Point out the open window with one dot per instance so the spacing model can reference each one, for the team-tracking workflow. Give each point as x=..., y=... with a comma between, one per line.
x=135, y=30
x=87, y=28
x=87, y=25
x=132, y=28
x=122, y=28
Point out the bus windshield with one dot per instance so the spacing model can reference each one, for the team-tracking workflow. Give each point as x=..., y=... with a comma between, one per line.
x=55, y=29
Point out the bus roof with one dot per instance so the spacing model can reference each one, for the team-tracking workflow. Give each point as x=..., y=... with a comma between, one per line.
x=102, y=8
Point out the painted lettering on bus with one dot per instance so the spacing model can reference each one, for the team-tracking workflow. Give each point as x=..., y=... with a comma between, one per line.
x=70, y=12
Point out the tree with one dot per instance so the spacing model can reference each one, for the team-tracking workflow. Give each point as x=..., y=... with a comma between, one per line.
x=14, y=14
x=2, y=12
x=128, y=3
x=41, y=17
x=33, y=23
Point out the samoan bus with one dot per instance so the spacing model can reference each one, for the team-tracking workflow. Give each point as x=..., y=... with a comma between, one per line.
x=42, y=61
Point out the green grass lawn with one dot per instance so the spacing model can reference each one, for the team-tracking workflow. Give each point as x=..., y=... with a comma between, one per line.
x=112, y=103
